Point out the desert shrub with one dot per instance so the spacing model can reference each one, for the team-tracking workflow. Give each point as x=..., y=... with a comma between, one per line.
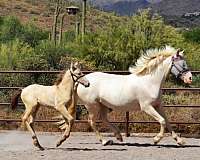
x=118, y=45
x=192, y=35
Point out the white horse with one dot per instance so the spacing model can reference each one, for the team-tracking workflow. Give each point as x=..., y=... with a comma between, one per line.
x=58, y=96
x=139, y=90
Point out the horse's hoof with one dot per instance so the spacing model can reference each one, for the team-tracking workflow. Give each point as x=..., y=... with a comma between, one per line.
x=41, y=148
x=106, y=143
x=120, y=139
x=156, y=140
x=181, y=142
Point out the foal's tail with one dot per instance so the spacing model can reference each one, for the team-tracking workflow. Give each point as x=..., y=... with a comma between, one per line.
x=14, y=99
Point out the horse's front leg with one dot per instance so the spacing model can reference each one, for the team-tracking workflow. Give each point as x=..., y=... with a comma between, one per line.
x=149, y=109
x=178, y=139
x=68, y=119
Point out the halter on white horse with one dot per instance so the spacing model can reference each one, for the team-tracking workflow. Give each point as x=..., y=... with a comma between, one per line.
x=139, y=90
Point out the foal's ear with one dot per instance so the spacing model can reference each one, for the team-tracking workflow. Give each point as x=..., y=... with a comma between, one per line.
x=72, y=66
x=77, y=65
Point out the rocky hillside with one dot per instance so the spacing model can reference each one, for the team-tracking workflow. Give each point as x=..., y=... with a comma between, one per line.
x=180, y=13
x=41, y=13
x=127, y=7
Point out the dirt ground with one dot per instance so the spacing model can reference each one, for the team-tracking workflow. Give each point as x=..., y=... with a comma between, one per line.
x=17, y=145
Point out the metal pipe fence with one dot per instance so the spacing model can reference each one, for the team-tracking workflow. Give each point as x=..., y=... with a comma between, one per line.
x=127, y=120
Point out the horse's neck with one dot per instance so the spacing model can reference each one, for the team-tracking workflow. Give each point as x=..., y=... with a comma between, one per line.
x=159, y=76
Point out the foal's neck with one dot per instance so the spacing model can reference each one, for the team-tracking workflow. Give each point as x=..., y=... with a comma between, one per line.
x=67, y=81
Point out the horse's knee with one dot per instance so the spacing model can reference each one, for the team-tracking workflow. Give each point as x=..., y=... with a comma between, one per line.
x=162, y=121
x=24, y=119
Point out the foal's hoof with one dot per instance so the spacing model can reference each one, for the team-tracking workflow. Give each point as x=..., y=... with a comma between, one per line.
x=37, y=144
x=58, y=144
x=106, y=143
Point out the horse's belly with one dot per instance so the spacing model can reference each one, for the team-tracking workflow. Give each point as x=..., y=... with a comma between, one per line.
x=121, y=106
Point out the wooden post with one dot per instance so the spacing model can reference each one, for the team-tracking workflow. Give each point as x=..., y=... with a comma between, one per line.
x=83, y=19
x=127, y=125
x=77, y=29
x=61, y=29
x=55, y=20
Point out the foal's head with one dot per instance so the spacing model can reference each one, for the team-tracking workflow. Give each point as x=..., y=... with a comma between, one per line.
x=77, y=75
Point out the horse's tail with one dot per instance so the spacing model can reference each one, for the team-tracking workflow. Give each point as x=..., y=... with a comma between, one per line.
x=14, y=99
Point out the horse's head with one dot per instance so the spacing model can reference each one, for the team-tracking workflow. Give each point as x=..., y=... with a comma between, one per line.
x=179, y=68
x=77, y=75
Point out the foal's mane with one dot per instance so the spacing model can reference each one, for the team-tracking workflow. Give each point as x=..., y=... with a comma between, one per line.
x=59, y=78
x=149, y=61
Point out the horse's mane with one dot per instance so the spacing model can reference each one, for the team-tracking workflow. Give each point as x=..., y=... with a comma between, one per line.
x=59, y=78
x=151, y=59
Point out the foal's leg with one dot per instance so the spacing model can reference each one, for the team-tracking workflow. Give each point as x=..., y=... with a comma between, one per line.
x=31, y=124
x=103, y=113
x=178, y=139
x=68, y=119
x=149, y=109
x=30, y=112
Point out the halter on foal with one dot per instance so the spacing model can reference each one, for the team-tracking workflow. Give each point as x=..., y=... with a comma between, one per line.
x=58, y=96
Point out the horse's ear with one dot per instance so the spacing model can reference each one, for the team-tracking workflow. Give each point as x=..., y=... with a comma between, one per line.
x=177, y=53
x=181, y=53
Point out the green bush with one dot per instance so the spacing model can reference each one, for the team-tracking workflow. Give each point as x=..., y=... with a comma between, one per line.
x=192, y=35
x=33, y=35
x=120, y=44
x=10, y=28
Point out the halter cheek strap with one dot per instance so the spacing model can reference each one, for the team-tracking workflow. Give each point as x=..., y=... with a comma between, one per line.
x=77, y=77
x=181, y=72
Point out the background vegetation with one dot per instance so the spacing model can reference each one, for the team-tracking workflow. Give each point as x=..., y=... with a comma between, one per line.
x=114, y=44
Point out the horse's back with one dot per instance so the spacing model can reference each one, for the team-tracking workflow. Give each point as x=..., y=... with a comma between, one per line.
x=37, y=93
x=109, y=89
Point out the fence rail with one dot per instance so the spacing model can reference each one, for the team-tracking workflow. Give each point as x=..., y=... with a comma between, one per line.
x=126, y=121
x=85, y=72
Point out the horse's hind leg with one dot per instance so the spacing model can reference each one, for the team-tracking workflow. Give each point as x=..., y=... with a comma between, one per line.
x=178, y=139
x=103, y=113
x=93, y=115
x=31, y=112
x=31, y=124
x=68, y=118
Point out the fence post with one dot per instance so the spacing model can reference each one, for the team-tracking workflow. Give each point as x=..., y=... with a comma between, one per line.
x=127, y=125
